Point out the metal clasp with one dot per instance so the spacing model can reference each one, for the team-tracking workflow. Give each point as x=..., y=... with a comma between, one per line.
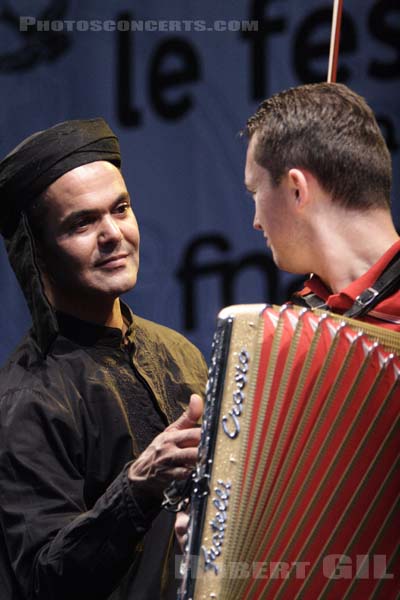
x=367, y=296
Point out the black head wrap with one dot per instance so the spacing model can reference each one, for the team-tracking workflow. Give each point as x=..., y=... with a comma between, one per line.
x=44, y=156
x=24, y=174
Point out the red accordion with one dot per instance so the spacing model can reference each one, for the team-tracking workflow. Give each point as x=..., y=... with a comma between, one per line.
x=296, y=491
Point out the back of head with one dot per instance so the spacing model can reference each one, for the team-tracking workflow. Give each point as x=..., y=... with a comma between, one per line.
x=330, y=131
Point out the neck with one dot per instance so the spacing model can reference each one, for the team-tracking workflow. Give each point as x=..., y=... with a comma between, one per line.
x=350, y=244
x=107, y=313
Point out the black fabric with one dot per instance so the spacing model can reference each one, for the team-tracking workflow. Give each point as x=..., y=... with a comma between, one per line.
x=75, y=526
x=108, y=348
x=22, y=256
x=43, y=157
x=308, y=301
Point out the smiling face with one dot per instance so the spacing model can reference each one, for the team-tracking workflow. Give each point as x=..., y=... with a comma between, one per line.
x=275, y=212
x=89, y=247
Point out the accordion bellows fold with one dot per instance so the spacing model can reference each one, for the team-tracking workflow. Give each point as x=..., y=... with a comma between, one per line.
x=295, y=491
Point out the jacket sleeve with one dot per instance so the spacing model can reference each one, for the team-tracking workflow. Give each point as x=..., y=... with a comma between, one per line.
x=58, y=548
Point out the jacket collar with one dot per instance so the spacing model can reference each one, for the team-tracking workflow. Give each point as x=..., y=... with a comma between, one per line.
x=86, y=333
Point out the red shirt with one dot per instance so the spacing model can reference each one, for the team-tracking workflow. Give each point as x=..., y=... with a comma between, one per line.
x=385, y=313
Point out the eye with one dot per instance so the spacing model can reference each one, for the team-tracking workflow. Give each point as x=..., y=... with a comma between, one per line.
x=81, y=224
x=122, y=208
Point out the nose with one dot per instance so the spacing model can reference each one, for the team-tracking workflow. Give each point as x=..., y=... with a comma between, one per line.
x=257, y=224
x=109, y=230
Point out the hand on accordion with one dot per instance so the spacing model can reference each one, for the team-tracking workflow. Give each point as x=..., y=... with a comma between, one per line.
x=171, y=455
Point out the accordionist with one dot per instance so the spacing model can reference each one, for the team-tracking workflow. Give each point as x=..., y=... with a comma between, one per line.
x=319, y=172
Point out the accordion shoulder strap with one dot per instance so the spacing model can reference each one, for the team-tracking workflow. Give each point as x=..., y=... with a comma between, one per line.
x=385, y=285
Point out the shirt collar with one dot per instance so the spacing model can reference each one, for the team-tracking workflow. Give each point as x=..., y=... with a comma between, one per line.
x=86, y=333
x=346, y=297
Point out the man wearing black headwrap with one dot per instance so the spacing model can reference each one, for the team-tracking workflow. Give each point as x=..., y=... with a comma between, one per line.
x=91, y=424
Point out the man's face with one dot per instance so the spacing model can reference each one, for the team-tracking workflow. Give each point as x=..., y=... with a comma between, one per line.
x=90, y=246
x=274, y=211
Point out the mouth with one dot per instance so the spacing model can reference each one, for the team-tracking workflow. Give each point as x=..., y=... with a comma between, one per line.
x=113, y=262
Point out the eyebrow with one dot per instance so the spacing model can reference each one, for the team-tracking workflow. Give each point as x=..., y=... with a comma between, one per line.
x=91, y=212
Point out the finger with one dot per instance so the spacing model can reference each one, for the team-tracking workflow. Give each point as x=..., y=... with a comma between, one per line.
x=185, y=438
x=182, y=457
x=181, y=528
x=181, y=473
x=181, y=523
x=181, y=438
x=191, y=415
x=165, y=475
x=166, y=463
x=177, y=466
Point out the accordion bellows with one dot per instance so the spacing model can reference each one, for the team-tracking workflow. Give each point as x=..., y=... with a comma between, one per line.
x=296, y=489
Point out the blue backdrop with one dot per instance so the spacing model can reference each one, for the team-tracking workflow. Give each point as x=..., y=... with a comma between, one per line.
x=176, y=81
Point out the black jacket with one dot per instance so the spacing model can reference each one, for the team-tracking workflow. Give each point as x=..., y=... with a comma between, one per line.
x=72, y=524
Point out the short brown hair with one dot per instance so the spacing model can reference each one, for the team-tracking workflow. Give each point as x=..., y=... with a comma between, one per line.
x=331, y=131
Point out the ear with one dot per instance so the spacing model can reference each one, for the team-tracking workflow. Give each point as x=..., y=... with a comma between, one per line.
x=299, y=186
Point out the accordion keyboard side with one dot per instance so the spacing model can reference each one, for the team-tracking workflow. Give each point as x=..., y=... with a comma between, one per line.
x=233, y=359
